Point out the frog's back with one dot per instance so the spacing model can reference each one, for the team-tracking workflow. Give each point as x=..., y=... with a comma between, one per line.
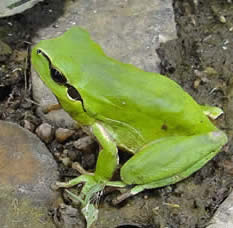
x=127, y=99
x=152, y=104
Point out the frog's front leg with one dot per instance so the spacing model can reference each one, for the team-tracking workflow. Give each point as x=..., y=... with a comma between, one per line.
x=168, y=160
x=108, y=156
x=106, y=163
x=94, y=183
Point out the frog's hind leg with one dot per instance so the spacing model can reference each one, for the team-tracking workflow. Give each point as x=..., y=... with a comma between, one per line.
x=169, y=160
x=106, y=163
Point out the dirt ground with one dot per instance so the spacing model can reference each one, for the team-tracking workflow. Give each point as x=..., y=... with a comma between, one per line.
x=200, y=60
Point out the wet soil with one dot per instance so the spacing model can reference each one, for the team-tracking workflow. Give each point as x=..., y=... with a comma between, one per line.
x=201, y=60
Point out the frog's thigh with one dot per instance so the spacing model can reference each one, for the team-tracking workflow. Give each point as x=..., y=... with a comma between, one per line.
x=108, y=155
x=170, y=159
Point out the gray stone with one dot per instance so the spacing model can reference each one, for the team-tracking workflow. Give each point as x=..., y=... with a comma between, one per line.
x=11, y=7
x=46, y=132
x=27, y=169
x=223, y=217
x=62, y=134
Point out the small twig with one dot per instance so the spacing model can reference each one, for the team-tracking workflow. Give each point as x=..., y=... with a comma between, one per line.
x=77, y=166
x=121, y=198
x=33, y=102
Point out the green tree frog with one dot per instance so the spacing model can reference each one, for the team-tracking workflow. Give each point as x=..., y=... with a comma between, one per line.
x=147, y=114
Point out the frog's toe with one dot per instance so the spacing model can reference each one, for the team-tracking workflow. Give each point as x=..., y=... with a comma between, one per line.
x=73, y=182
x=122, y=197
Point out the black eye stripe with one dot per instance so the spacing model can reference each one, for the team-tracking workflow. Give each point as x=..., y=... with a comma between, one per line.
x=74, y=94
x=57, y=76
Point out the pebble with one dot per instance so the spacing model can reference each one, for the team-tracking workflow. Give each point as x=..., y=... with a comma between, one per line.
x=66, y=161
x=62, y=134
x=45, y=132
x=85, y=143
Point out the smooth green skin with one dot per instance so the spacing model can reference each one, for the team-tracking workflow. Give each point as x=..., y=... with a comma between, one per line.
x=144, y=113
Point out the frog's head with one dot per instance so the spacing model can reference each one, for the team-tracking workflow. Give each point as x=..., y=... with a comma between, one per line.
x=67, y=94
x=58, y=63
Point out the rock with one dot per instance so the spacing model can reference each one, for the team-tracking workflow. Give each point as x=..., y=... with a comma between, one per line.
x=27, y=169
x=85, y=143
x=62, y=134
x=68, y=217
x=45, y=132
x=223, y=217
x=72, y=154
x=11, y=7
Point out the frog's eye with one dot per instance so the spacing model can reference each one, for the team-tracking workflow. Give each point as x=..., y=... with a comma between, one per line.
x=57, y=76
x=73, y=93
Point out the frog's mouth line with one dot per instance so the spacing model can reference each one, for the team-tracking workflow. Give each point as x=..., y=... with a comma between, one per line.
x=60, y=79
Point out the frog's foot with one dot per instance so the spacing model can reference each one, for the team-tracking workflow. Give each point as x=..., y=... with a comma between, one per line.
x=89, y=204
x=85, y=178
x=81, y=179
x=91, y=191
